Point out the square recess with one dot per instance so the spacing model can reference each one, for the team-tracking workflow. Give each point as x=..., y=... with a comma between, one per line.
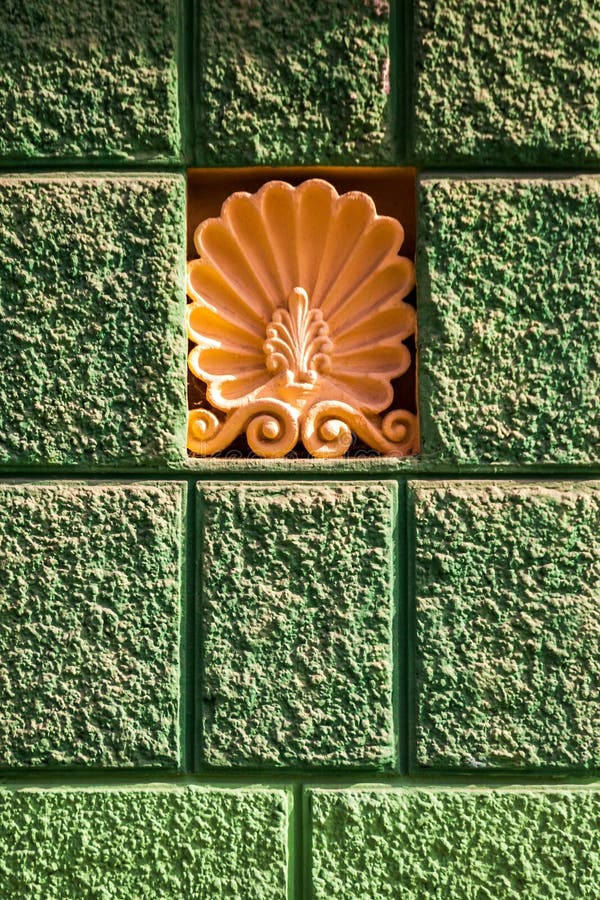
x=393, y=191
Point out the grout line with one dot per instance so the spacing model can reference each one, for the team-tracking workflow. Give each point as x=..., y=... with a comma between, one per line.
x=401, y=645
x=406, y=23
x=411, y=635
x=134, y=476
x=296, y=848
x=293, y=778
x=307, y=865
x=397, y=79
x=197, y=637
x=189, y=620
x=82, y=166
x=187, y=77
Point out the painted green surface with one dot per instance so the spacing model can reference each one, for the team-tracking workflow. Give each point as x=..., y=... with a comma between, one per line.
x=506, y=83
x=89, y=624
x=298, y=83
x=134, y=844
x=507, y=625
x=297, y=606
x=91, y=320
x=89, y=79
x=458, y=844
x=509, y=316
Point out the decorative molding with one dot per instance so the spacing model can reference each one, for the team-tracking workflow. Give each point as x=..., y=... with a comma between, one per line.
x=298, y=322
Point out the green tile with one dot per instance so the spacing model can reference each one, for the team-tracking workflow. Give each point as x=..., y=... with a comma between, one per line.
x=127, y=843
x=298, y=83
x=92, y=308
x=507, y=627
x=507, y=83
x=297, y=607
x=470, y=843
x=90, y=595
x=93, y=80
x=509, y=315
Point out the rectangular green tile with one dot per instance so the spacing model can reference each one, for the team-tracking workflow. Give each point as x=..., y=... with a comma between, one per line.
x=506, y=83
x=507, y=658
x=297, y=587
x=92, y=307
x=539, y=844
x=300, y=83
x=90, y=596
x=508, y=274
x=127, y=843
x=89, y=80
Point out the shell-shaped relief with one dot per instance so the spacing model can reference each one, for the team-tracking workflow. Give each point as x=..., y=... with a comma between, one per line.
x=298, y=322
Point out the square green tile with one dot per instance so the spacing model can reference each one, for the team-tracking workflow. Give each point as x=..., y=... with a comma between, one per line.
x=293, y=84
x=508, y=274
x=508, y=83
x=297, y=606
x=87, y=80
x=90, y=597
x=92, y=308
x=509, y=844
x=507, y=655
x=132, y=842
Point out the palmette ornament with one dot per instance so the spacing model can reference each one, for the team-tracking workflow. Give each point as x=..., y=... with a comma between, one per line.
x=298, y=322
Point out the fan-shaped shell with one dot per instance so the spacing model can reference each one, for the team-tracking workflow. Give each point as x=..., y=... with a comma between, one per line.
x=298, y=294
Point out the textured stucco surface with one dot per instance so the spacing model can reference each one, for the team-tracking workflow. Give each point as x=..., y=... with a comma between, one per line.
x=294, y=83
x=507, y=82
x=162, y=843
x=459, y=844
x=509, y=316
x=297, y=601
x=507, y=624
x=89, y=624
x=89, y=79
x=92, y=305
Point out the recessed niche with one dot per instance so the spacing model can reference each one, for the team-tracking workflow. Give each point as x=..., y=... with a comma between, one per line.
x=301, y=312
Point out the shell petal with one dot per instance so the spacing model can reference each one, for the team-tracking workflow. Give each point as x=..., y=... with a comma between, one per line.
x=206, y=325
x=384, y=288
x=377, y=245
x=206, y=286
x=393, y=325
x=211, y=362
x=369, y=395
x=390, y=361
x=316, y=206
x=244, y=219
x=220, y=247
x=354, y=212
x=277, y=202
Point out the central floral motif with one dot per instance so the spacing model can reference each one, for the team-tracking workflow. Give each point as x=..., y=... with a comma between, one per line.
x=298, y=347
x=297, y=317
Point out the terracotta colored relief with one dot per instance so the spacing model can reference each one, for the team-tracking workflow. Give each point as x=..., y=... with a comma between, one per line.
x=298, y=322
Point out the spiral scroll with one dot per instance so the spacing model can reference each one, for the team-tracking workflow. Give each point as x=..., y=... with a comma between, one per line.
x=271, y=429
x=327, y=430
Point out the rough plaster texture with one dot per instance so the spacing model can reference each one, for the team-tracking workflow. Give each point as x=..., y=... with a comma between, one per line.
x=297, y=612
x=492, y=844
x=89, y=624
x=92, y=79
x=508, y=631
x=92, y=308
x=506, y=83
x=298, y=83
x=509, y=316
x=154, y=843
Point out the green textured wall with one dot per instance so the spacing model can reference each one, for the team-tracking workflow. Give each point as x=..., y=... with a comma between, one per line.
x=293, y=679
